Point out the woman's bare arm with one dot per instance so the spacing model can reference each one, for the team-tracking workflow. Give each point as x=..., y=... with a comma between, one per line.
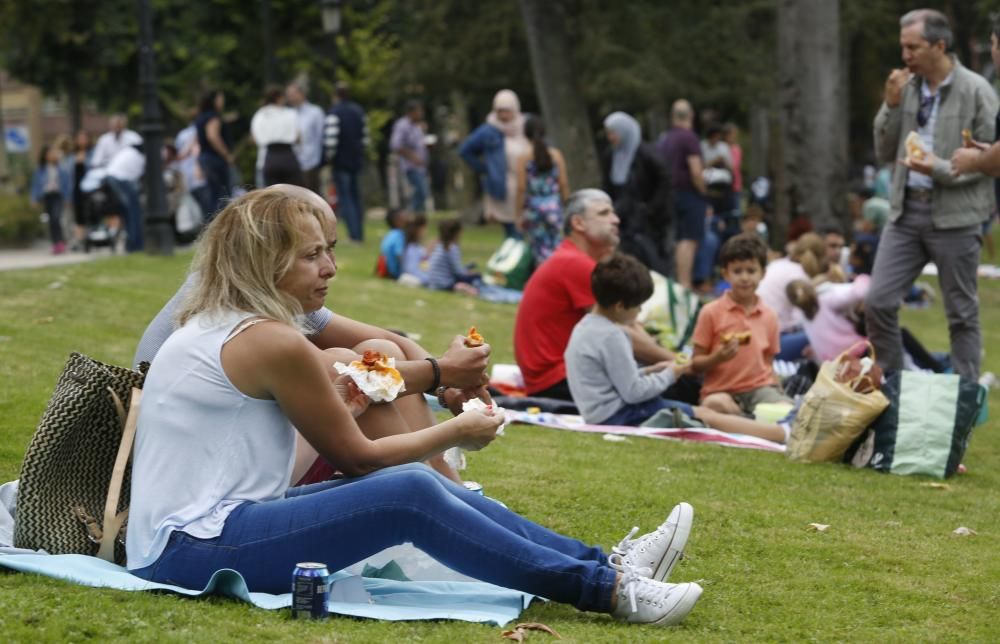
x=213, y=132
x=274, y=361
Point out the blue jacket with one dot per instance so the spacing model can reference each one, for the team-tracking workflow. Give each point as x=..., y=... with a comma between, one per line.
x=38, y=183
x=483, y=150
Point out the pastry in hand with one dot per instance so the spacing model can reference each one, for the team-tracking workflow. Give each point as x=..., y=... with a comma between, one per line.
x=376, y=375
x=742, y=337
x=915, y=147
x=474, y=339
x=475, y=404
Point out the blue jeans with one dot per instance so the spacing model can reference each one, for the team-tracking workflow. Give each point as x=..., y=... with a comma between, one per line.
x=635, y=414
x=708, y=249
x=418, y=181
x=127, y=193
x=349, y=203
x=342, y=522
x=218, y=182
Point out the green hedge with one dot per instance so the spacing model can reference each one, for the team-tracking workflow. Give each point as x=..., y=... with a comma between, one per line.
x=20, y=224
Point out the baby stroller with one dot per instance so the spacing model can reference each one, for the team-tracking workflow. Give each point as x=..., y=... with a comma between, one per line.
x=101, y=205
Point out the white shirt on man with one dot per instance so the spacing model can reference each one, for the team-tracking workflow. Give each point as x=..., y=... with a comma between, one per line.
x=919, y=180
x=128, y=164
x=309, y=150
x=109, y=144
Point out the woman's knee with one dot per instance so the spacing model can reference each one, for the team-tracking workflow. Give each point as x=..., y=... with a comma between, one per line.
x=336, y=355
x=388, y=347
x=416, y=483
x=339, y=354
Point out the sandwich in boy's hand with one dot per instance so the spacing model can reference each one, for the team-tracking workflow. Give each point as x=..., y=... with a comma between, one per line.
x=742, y=337
x=474, y=339
x=376, y=376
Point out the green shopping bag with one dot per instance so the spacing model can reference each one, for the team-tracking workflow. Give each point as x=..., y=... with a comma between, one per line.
x=926, y=428
x=510, y=266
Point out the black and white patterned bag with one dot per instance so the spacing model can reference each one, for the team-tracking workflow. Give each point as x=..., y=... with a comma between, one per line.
x=74, y=488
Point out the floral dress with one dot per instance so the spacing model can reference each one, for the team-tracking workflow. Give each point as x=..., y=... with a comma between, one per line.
x=543, y=216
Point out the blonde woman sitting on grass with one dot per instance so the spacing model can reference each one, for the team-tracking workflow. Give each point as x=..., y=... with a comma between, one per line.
x=215, y=447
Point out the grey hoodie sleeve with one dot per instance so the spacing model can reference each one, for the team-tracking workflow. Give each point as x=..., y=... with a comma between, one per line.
x=631, y=385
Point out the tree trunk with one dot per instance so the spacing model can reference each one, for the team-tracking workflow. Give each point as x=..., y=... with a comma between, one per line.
x=760, y=139
x=812, y=102
x=555, y=80
x=74, y=107
x=5, y=182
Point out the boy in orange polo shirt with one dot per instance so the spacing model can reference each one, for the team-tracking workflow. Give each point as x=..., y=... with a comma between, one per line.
x=736, y=336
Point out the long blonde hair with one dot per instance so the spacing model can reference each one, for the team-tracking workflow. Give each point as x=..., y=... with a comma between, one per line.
x=809, y=251
x=245, y=252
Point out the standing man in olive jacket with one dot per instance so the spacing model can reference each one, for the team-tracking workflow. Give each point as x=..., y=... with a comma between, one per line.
x=936, y=216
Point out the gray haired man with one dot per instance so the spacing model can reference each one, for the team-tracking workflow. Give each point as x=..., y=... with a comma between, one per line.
x=558, y=295
x=936, y=216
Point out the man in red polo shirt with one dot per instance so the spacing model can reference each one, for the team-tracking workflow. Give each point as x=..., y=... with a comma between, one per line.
x=558, y=295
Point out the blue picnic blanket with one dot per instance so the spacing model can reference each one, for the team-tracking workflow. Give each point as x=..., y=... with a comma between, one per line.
x=385, y=599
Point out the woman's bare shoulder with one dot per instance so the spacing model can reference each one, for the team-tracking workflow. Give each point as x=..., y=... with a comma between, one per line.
x=269, y=340
x=261, y=357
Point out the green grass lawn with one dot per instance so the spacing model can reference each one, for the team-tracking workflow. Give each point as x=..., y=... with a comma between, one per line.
x=888, y=568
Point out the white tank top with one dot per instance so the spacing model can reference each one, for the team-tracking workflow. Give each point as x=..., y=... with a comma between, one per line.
x=202, y=447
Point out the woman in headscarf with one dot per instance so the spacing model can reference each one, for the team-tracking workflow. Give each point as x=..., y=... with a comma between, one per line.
x=639, y=185
x=492, y=151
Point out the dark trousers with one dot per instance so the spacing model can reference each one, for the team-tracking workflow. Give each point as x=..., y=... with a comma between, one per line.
x=310, y=180
x=217, y=181
x=907, y=244
x=281, y=166
x=349, y=209
x=53, y=204
x=127, y=193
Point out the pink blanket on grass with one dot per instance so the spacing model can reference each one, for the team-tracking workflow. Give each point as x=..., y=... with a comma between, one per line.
x=576, y=424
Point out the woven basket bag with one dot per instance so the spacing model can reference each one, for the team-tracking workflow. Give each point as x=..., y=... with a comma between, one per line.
x=74, y=488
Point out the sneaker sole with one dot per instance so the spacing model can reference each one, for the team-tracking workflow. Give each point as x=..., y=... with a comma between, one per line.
x=683, y=607
x=675, y=549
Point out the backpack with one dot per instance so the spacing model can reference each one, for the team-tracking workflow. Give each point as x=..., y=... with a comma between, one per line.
x=73, y=495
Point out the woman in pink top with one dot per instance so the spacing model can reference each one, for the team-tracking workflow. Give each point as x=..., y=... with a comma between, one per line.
x=806, y=260
x=827, y=308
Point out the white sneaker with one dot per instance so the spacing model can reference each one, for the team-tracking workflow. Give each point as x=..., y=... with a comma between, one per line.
x=642, y=600
x=657, y=551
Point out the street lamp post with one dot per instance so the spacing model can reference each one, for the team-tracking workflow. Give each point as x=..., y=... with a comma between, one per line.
x=267, y=38
x=331, y=27
x=158, y=224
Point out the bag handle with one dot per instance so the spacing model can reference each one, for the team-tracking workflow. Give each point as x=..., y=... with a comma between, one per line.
x=113, y=521
x=850, y=350
x=853, y=382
